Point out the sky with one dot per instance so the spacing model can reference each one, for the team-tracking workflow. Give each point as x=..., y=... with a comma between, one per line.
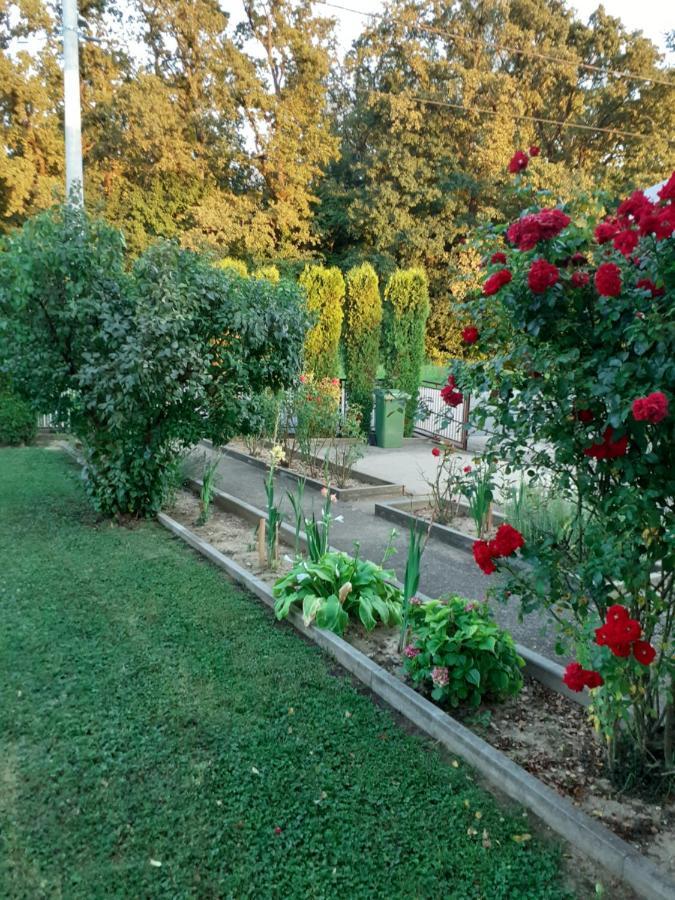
x=649, y=16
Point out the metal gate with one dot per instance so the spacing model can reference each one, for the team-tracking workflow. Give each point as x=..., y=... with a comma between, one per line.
x=442, y=422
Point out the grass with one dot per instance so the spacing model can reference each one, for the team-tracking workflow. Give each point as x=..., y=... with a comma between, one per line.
x=161, y=736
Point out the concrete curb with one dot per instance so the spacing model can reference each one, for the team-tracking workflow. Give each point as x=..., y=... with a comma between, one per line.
x=401, y=512
x=372, y=486
x=588, y=836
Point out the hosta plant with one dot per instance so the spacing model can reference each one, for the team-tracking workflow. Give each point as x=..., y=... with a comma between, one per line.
x=458, y=651
x=339, y=588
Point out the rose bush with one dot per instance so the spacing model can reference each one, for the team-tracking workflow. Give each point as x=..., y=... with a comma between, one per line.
x=578, y=376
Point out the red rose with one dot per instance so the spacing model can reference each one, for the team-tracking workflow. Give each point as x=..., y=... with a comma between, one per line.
x=625, y=242
x=634, y=206
x=574, y=677
x=498, y=257
x=616, y=613
x=608, y=280
x=660, y=223
x=507, y=541
x=466, y=469
x=527, y=231
x=667, y=192
x=580, y=279
x=605, y=231
x=644, y=652
x=621, y=650
x=542, y=275
x=653, y=408
x=534, y=150
x=496, y=282
x=609, y=448
x=450, y=395
x=470, y=335
x=577, y=678
x=585, y=416
x=518, y=162
x=435, y=452
x=625, y=631
x=578, y=259
x=646, y=284
x=482, y=555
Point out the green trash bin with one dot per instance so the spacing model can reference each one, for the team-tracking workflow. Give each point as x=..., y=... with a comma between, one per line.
x=389, y=417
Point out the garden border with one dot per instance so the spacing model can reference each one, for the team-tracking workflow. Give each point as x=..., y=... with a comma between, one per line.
x=588, y=836
x=396, y=511
x=372, y=486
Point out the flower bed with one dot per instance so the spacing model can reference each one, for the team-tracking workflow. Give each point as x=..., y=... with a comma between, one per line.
x=539, y=729
x=462, y=532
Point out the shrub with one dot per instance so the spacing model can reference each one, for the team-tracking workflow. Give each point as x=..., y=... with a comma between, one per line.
x=145, y=361
x=18, y=421
x=231, y=265
x=580, y=391
x=271, y=273
x=309, y=419
x=460, y=653
x=339, y=588
x=405, y=313
x=361, y=338
x=448, y=315
x=325, y=294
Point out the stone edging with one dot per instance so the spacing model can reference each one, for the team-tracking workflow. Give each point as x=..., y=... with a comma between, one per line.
x=402, y=512
x=371, y=487
x=588, y=836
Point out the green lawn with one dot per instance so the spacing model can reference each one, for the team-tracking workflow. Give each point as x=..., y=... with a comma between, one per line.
x=161, y=736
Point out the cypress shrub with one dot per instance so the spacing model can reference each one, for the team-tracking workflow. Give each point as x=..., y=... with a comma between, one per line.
x=361, y=340
x=325, y=295
x=271, y=273
x=404, y=318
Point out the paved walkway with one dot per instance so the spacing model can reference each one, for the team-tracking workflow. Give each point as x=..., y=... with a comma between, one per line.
x=445, y=569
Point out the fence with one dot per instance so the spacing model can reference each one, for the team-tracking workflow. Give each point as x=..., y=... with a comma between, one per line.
x=441, y=421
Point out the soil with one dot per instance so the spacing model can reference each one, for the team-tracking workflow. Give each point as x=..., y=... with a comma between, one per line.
x=460, y=522
x=298, y=467
x=545, y=733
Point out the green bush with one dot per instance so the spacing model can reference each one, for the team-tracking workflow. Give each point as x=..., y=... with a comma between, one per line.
x=404, y=318
x=271, y=273
x=18, y=421
x=325, y=294
x=461, y=653
x=142, y=361
x=361, y=338
x=338, y=588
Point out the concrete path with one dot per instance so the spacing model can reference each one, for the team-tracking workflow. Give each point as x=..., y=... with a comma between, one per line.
x=445, y=569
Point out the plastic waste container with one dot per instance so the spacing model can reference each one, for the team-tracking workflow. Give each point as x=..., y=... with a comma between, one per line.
x=389, y=417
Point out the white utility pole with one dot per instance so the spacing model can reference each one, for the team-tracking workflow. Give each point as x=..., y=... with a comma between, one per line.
x=71, y=104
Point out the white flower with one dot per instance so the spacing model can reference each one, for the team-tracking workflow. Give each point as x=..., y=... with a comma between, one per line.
x=339, y=519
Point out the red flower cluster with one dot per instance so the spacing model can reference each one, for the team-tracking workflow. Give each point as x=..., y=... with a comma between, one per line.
x=626, y=241
x=518, y=162
x=505, y=543
x=608, y=448
x=527, y=231
x=608, y=280
x=542, y=276
x=450, y=394
x=637, y=217
x=580, y=279
x=496, y=282
x=622, y=634
x=498, y=257
x=646, y=284
x=653, y=408
x=576, y=678
x=534, y=150
x=470, y=335
x=667, y=192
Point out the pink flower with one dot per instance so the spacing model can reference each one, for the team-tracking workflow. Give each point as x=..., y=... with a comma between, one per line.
x=415, y=601
x=411, y=652
x=324, y=492
x=440, y=676
x=333, y=498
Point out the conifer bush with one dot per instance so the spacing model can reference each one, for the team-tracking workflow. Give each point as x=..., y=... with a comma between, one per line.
x=361, y=341
x=325, y=296
x=404, y=318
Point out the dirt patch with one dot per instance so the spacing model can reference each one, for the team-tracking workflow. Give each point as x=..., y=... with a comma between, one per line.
x=545, y=733
x=298, y=467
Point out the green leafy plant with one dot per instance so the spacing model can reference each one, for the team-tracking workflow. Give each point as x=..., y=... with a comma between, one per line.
x=338, y=588
x=404, y=318
x=417, y=541
x=361, y=338
x=296, y=499
x=18, y=420
x=318, y=533
x=478, y=489
x=538, y=514
x=274, y=519
x=459, y=652
x=347, y=447
x=143, y=359
x=208, y=484
x=446, y=487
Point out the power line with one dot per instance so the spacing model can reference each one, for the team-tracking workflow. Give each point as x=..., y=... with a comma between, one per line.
x=629, y=76
x=430, y=101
